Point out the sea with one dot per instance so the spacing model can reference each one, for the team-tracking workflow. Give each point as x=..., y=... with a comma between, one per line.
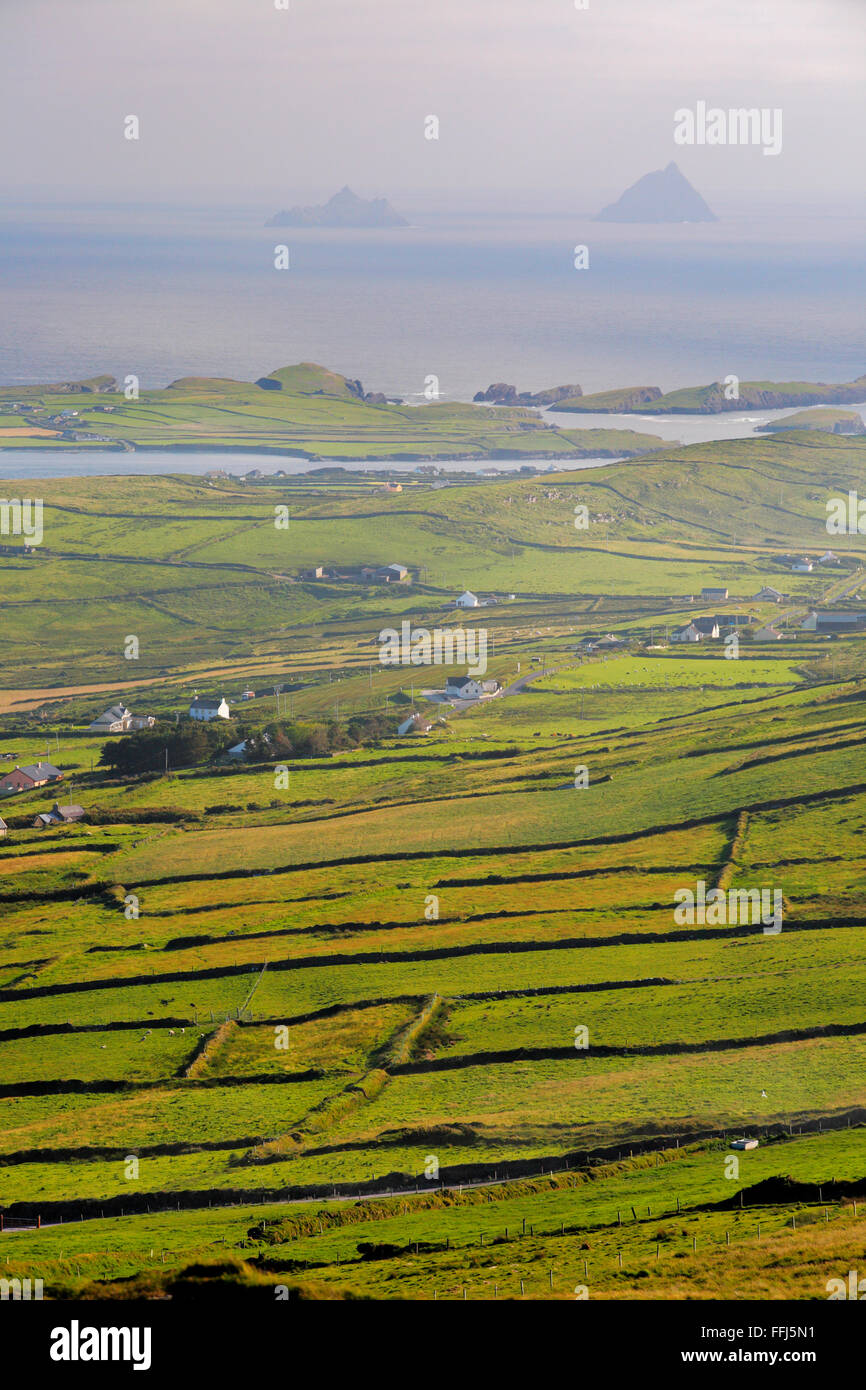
x=171, y=291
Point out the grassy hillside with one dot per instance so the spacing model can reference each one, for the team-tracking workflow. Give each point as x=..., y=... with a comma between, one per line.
x=438, y=984
x=303, y=410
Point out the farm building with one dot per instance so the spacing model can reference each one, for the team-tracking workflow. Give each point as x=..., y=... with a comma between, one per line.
x=204, y=708
x=802, y=566
x=59, y=815
x=828, y=621
x=4, y=828
x=713, y=595
x=391, y=574
x=768, y=595
x=707, y=627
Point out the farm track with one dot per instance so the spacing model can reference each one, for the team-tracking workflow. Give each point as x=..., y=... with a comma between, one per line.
x=462, y=1176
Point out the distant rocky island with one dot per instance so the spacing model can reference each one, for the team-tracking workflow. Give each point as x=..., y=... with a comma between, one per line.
x=500, y=393
x=345, y=209
x=663, y=196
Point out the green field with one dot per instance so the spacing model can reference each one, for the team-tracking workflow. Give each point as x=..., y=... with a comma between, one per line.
x=359, y=977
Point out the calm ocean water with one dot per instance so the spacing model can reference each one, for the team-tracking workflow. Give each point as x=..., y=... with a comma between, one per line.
x=165, y=293
x=171, y=292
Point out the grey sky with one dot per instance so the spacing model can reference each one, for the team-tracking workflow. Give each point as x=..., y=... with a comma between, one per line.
x=242, y=103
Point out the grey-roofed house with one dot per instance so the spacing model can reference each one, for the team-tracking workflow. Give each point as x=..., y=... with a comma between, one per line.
x=41, y=773
x=204, y=707
x=114, y=721
x=59, y=815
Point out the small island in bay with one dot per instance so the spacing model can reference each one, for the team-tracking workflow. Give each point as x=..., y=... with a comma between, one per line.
x=828, y=421
x=345, y=209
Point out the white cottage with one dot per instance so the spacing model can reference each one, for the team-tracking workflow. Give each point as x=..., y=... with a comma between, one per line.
x=205, y=708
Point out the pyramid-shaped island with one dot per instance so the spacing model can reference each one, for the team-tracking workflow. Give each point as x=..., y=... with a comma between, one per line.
x=663, y=196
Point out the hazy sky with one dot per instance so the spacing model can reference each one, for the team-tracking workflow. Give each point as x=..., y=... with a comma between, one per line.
x=241, y=103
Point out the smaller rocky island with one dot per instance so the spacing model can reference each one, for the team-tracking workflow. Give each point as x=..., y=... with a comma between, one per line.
x=500, y=393
x=345, y=209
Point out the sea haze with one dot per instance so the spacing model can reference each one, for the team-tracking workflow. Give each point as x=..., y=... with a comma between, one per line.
x=170, y=292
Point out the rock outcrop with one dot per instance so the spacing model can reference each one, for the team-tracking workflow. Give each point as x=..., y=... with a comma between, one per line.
x=501, y=393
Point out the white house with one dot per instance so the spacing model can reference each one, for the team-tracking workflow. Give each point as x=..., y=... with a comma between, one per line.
x=466, y=600
x=114, y=721
x=203, y=707
x=415, y=724
x=828, y=558
x=769, y=595
x=802, y=566
x=119, y=720
x=689, y=633
x=464, y=688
